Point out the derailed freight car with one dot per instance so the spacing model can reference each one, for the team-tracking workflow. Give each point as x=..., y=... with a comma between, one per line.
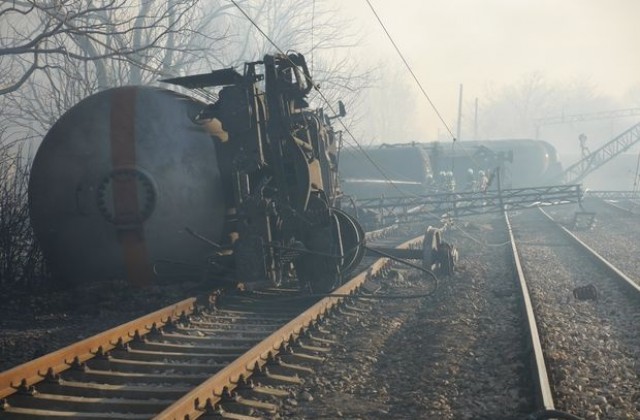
x=134, y=179
x=421, y=168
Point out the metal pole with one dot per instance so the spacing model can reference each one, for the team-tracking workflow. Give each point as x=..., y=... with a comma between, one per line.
x=459, y=113
x=475, y=122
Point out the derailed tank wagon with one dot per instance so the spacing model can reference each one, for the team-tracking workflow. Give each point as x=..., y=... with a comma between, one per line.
x=422, y=168
x=133, y=178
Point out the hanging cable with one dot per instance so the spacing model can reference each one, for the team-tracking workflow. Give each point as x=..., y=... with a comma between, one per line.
x=313, y=16
x=402, y=192
x=325, y=100
x=635, y=178
x=424, y=92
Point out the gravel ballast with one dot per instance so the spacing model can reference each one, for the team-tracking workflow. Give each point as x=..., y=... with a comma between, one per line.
x=592, y=347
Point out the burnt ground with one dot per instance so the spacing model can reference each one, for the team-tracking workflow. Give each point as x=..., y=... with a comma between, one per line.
x=454, y=355
x=458, y=354
x=43, y=320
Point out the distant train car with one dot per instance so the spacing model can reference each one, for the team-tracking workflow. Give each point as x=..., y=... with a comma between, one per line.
x=420, y=168
x=523, y=162
x=386, y=170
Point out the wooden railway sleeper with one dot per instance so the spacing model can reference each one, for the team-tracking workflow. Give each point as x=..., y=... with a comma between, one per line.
x=232, y=397
x=262, y=375
x=119, y=378
x=287, y=352
x=142, y=366
x=344, y=312
x=308, y=335
x=276, y=364
x=96, y=390
x=175, y=357
x=317, y=339
x=138, y=338
x=315, y=349
x=354, y=308
x=213, y=332
x=191, y=348
x=51, y=378
x=302, y=357
x=247, y=388
x=100, y=354
x=55, y=402
x=218, y=412
x=121, y=346
x=77, y=366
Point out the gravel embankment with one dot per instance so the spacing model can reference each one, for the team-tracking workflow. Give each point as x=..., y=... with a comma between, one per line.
x=614, y=235
x=592, y=347
x=456, y=355
x=35, y=324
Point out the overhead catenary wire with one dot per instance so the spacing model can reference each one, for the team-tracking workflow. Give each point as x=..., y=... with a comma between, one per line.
x=324, y=99
x=406, y=63
x=422, y=89
x=129, y=57
x=636, y=177
x=332, y=109
x=313, y=16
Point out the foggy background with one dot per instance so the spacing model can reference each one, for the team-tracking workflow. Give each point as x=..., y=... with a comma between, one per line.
x=521, y=60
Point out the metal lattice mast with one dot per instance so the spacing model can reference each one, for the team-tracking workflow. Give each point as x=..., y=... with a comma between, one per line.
x=576, y=172
x=574, y=118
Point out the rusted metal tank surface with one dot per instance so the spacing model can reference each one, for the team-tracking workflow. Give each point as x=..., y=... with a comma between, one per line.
x=119, y=181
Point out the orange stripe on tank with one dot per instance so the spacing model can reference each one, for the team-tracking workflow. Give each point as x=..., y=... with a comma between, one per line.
x=125, y=190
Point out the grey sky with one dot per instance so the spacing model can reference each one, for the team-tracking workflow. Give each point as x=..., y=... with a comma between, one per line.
x=492, y=43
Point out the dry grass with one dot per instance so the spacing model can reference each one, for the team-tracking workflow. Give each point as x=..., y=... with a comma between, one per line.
x=21, y=262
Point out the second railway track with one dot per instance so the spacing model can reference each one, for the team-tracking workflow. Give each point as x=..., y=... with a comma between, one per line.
x=459, y=354
x=587, y=318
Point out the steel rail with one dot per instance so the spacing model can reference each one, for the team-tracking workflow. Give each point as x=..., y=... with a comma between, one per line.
x=612, y=195
x=195, y=403
x=616, y=204
x=600, y=259
x=32, y=372
x=544, y=396
x=618, y=207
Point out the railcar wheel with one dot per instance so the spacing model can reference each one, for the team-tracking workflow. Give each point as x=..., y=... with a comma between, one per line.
x=430, y=247
x=438, y=256
x=332, y=252
x=352, y=238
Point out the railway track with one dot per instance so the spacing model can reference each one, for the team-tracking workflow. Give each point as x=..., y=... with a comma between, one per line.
x=624, y=206
x=183, y=361
x=463, y=381
x=576, y=336
x=614, y=235
x=458, y=354
x=585, y=343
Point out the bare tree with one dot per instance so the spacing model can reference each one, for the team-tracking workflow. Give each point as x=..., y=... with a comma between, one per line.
x=54, y=53
x=313, y=28
x=512, y=111
x=58, y=52
x=41, y=36
x=21, y=262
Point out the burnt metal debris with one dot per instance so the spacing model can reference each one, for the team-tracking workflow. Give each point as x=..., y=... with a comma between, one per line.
x=243, y=188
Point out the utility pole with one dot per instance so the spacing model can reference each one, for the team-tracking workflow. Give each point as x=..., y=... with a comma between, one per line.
x=475, y=122
x=459, y=113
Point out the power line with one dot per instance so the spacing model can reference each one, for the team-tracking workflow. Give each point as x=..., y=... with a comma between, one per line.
x=424, y=92
x=324, y=98
x=331, y=108
x=313, y=47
